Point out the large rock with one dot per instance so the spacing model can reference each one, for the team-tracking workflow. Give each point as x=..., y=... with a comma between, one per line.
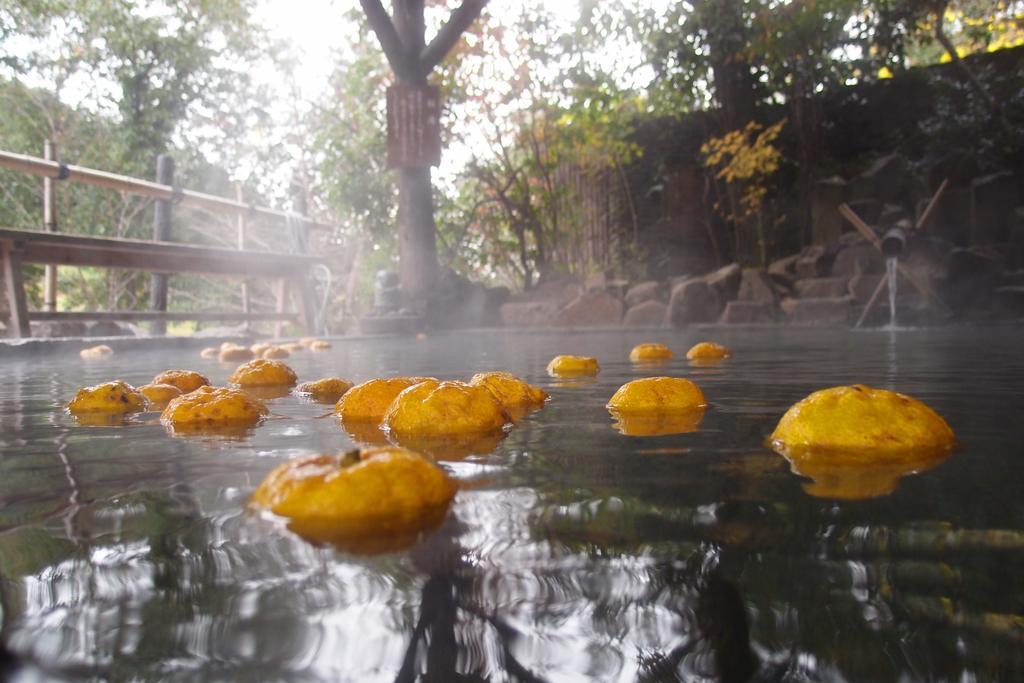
x=1016, y=237
x=971, y=275
x=924, y=256
x=677, y=280
x=993, y=199
x=757, y=286
x=725, y=281
x=559, y=290
x=1017, y=226
x=592, y=308
x=868, y=210
x=892, y=214
x=822, y=288
x=1012, y=279
x=863, y=286
x=848, y=239
x=652, y=290
x=694, y=301
x=539, y=307
x=783, y=271
x=748, y=313
x=595, y=281
x=457, y=302
x=814, y=261
x=819, y=312
x=951, y=219
x=646, y=314
x=1009, y=302
x=529, y=314
x=858, y=258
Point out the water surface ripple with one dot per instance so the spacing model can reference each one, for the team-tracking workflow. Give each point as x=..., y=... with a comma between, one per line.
x=572, y=552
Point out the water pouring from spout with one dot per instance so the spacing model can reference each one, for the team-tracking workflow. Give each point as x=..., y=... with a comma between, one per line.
x=892, y=246
x=891, y=269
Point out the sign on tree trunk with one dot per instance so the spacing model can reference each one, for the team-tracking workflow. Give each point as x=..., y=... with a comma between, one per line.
x=414, y=126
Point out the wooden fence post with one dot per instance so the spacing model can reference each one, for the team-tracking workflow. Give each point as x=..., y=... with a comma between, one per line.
x=14, y=286
x=300, y=245
x=298, y=236
x=50, y=225
x=162, y=209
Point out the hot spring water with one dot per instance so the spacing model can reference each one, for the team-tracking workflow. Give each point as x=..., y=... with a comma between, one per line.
x=571, y=552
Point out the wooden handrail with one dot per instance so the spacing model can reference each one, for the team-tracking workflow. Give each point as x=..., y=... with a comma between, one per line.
x=112, y=181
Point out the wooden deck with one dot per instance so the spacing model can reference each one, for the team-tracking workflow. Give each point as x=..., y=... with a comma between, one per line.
x=20, y=247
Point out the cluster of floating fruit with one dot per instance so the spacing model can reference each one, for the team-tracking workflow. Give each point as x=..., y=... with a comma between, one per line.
x=229, y=352
x=380, y=498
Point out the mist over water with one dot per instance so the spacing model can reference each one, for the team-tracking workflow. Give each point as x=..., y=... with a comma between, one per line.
x=571, y=553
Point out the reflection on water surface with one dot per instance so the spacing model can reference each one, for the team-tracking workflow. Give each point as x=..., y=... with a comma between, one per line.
x=572, y=553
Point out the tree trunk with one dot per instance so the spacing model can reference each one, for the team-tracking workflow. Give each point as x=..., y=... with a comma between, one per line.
x=736, y=95
x=994, y=107
x=417, y=234
x=403, y=39
x=735, y=87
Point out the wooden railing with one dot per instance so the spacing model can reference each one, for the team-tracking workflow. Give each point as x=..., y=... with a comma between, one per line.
x=78, y=174
x=166, y=196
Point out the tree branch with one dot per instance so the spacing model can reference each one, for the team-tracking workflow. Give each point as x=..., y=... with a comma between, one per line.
x=449, y=34
x=994, y=107
x=387, y=35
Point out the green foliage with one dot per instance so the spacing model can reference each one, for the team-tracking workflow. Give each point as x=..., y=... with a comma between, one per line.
x=515, y=215
x=745, y=160
x=906, y=28
x=351, y=179
x=350, y=127
x=114, y=84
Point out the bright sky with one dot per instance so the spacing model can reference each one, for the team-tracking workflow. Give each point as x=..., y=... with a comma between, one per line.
x=313, y=32
x=319, y=27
